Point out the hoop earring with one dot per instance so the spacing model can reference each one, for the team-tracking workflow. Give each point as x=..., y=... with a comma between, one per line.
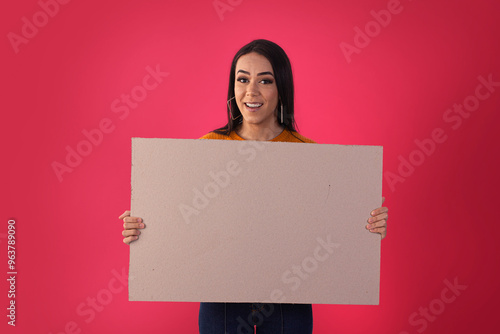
x=229, y=108
x=281, y=113
x=281, y=107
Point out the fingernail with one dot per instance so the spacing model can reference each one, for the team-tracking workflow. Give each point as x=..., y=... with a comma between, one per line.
x=370, y=220
x=141, y=225
x=139, y=220
x=367, y=227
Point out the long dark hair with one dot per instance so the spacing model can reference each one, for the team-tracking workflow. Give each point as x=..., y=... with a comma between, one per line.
x=284, y=82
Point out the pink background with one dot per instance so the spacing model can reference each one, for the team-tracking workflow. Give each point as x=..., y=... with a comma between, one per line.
x=395, y=90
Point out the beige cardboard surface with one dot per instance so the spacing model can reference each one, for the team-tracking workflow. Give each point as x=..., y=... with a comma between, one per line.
x=246, y=221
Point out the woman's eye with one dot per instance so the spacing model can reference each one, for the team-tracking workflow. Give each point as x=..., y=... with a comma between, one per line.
x=263, y=81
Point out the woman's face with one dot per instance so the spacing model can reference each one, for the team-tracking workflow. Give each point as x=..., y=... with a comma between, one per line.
x=255, y=90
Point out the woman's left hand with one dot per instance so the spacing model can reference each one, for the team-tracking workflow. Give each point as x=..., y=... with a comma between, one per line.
x=377, y=223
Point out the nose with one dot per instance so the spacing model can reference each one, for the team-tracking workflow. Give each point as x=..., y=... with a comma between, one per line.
x=252, y=89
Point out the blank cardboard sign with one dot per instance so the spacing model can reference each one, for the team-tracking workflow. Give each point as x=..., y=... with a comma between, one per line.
x=250, y=221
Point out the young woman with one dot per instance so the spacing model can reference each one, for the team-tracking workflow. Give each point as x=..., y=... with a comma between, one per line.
x=260, y=107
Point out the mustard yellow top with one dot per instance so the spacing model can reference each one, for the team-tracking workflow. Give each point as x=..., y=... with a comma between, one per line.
x=285, y=135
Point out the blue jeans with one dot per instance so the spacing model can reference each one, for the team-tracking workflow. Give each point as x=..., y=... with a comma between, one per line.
x=240, y=318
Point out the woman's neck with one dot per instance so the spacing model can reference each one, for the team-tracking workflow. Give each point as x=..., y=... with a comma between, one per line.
x=258, y=132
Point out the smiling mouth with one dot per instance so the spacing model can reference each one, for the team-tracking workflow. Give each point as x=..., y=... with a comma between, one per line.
x=253, y=106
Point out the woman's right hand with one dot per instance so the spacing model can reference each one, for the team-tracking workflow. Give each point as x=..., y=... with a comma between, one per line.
x=131, y=226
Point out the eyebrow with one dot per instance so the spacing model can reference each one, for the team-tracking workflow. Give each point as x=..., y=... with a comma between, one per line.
x=258, y=74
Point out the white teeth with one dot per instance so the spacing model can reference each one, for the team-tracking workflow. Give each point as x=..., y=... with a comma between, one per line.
x=253, y=105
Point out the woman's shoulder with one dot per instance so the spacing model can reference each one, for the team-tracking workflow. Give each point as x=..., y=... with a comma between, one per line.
x=294, y=136
x=215, y=135
x=286, y=136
